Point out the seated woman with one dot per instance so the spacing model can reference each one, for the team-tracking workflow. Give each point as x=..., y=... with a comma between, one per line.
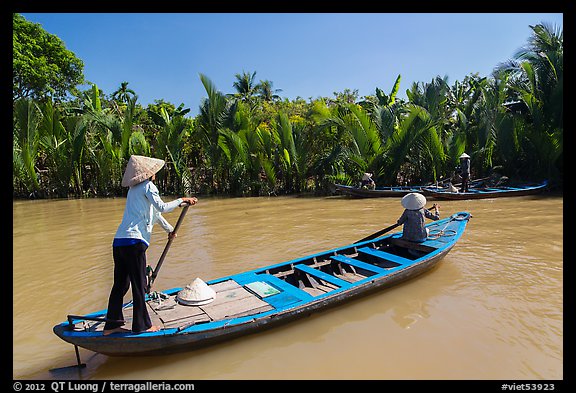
x=414, y=217
x=367, y=182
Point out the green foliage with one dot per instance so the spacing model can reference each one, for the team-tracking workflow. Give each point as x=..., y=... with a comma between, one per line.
x=41, y=65
x=56, y=142
x=254, y=143
x=123, y=94
x=25, y=145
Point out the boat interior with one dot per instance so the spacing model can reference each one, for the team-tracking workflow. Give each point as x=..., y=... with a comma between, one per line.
x=277, y=286
x=324, y=273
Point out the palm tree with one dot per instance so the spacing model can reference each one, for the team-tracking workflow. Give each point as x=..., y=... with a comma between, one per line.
x=214, y=112
x=25, y=144
x=366, y=149
x=245, y=87
x=382, y=100
x=168, y=145
x=245, y=152
x=266, y=92
x=56, y=144
x=414, y=150
x=293, y=153
x=123, y=93
x=536, y=80
x=95, y=163
x=465, y=107
x=328, y=140
x=545, y=56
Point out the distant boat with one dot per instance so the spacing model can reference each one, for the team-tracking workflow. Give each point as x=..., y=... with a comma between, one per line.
x=398, y=191
x=392, y=191
x=486, y=192
x=254, y=300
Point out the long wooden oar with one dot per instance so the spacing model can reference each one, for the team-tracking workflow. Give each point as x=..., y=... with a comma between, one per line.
x=170, y=239
x=381, y=232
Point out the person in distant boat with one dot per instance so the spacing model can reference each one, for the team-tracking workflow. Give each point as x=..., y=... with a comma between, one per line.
x=465, y=171
x=143, y=209
x=414, y=216
x=367, y=182
x=451, y=187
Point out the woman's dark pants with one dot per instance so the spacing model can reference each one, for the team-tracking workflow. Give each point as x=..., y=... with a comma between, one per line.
x=129, y=269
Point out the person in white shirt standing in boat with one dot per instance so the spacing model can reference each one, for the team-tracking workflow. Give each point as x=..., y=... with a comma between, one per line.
x=143, y=209
x=465, y=171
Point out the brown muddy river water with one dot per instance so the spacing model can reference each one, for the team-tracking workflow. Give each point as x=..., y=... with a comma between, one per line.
x=491, y=309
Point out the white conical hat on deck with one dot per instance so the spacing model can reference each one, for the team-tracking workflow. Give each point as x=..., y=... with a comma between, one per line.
x=413, y=201
x=196, y=294
x=140, y=168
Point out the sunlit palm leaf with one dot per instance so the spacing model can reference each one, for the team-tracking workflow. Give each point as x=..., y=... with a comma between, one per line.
x=27, y=116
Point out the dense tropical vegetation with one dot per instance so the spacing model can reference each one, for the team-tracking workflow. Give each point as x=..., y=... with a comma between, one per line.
x=253, y=142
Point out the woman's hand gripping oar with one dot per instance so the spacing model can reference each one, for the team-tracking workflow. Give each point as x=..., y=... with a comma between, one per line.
x=171, y=237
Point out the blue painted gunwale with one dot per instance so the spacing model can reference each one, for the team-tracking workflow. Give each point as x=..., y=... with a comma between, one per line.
x=393, y=191
x=291, y=303
x=487, y=192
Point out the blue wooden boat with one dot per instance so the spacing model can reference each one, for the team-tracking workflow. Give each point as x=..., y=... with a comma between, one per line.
x=396, y=191
x=269, y=296
x=392, y=191
x=486, y=192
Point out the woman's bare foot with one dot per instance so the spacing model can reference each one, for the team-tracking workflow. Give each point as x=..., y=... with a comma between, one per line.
x=151, y=329
x=115, y=330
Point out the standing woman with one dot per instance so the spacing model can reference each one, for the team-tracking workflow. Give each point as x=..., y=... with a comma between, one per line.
x=143, y=209
x=465, y=171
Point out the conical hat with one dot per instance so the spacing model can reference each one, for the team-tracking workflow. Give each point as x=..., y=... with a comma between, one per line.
x=464, y=155
x=140, y=168
x=195, y=294
x=413, y=201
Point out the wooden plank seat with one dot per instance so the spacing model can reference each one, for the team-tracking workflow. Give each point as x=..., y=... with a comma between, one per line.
x=384, y=255
x=396, y=241
x=359, y=264
x=351, y=277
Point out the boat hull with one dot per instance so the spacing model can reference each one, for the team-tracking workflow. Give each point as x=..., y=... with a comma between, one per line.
x=381, y=266
x=484, y=193
x=171, y=343
x=378, y=192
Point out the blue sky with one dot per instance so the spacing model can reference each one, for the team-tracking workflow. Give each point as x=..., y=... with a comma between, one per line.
x=305, y=55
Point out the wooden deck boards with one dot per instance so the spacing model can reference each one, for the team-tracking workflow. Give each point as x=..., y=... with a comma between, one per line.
x=128, y=316
x=232, y=300
x=350, y=277
x=313, y=291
